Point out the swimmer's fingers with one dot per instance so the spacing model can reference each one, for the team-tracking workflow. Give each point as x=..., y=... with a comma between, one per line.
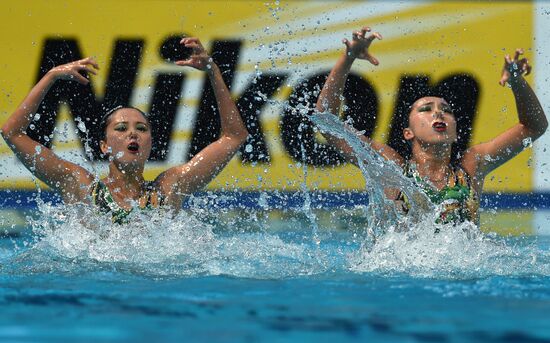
x=197, y=48
x=192, y=42
x=373, y=60
x=355, y=35
x=89, y=61
x=346, y=43
x=77, y=69
x=86, y=68
x=199, y=58
x=364, y=31
x=76, y=76
x=525, y=66
x=193, y=46
x=508, y=60
x=197, y=63
x=528, y=69
x=91, y=71
x=515, y=66
x=503, y=80
x=185, y=63
x=72, y=71
x=189, y=40
x=373, y=36
x=518, y=53
x=505, y=74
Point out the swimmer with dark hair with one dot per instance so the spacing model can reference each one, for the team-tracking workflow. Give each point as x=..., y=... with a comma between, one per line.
x=127, y=141
x=432, y=131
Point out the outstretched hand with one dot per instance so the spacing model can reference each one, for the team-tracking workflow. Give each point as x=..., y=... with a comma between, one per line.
x=199, y=58
x=71, y=71
x=360, y=43
x=514, y=68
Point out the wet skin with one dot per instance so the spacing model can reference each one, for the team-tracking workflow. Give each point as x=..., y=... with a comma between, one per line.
x=128, y=139
x=431, y=122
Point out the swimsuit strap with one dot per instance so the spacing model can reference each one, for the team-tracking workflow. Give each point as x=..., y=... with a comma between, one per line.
x=153, y=197
x=472, y=201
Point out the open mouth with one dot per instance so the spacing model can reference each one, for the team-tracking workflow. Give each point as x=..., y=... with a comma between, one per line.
x=439, y=126
x=133, y=147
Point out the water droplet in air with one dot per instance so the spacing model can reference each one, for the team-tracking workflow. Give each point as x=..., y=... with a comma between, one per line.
x=81, y=126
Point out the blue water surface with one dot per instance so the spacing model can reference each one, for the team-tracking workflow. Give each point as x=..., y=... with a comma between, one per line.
x=275, y=286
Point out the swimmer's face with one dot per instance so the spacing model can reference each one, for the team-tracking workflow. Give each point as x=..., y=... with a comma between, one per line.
x=431, y=121
x=127, y=137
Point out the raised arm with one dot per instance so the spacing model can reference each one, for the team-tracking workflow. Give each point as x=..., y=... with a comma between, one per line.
x=67, y=178
x=330, y=98
x=486, y=157
x=204, y=166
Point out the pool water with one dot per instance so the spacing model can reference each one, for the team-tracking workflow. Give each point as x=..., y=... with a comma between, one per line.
x=267, y=276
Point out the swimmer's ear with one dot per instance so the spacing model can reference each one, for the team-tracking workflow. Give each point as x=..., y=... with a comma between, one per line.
x=408, y=134
x=104, y=148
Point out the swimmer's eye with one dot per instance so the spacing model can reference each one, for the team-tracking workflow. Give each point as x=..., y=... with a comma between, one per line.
x=142, y=127
x=120, y=127
x=425, y=108
x=447, y=109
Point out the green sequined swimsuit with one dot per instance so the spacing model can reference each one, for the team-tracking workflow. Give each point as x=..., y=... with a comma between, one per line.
x=103, y=199
x=457, y=201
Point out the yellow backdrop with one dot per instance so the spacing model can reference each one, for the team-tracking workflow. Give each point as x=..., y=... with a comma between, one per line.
x=297, y=37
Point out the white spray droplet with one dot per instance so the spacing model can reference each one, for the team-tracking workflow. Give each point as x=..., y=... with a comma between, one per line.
x=81, y=126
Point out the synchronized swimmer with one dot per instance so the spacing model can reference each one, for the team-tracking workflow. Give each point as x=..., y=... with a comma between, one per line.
x=127, y=141
x=431, y=131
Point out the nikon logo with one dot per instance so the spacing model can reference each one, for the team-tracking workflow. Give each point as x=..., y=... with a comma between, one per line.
x=297, y=133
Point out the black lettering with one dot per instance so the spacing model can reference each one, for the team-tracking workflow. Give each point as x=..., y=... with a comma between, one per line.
x=207, y=125
x=166, y=97
x=171, y=50
x=250, y=105
x=123, y=72
x=81, y=99
x=298, y=135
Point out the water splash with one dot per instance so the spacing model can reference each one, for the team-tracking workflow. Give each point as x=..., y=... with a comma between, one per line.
x=307, y=198
x=379, y=174
x=160, y=244
x=455, y=251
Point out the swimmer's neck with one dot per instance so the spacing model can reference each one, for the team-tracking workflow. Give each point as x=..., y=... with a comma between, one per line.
x=432, y=162
x=128, y=181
